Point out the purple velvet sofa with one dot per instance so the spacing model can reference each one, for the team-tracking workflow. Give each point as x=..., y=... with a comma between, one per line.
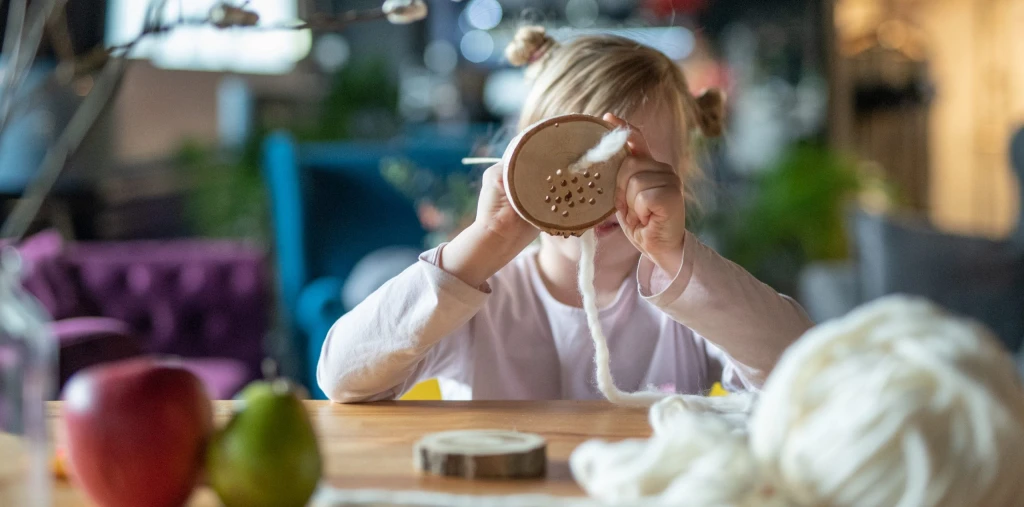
x=202, y=303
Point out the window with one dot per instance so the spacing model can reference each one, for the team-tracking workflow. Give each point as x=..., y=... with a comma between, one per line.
x=209, y=48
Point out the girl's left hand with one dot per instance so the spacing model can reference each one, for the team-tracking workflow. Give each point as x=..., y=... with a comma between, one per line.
x=649, y=202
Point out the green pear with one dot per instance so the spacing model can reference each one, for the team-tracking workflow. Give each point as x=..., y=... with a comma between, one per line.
x=267, y=453
x=257, y=390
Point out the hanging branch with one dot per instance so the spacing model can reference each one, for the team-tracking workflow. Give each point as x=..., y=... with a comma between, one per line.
x=60, y=39
x=24, y=33
x=23, y=44
x=53, y=163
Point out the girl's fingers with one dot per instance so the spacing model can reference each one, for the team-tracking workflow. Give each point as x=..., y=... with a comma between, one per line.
x=662, y=202
x=493, y=175
x=644, y=187
x=630, y=231
x=632, y=166
x=636, y=142
x=615, y=120
x=620, y=215
x=656, y=202
x=632, y=220
x=644, y=181
x=636, y=176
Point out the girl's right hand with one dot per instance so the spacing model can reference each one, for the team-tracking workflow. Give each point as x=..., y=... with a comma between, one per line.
x=496, y=212
x=496, y=237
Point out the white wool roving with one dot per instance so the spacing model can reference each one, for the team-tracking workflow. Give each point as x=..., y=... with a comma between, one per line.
x=895, y=404
x=611, y=143
x=605, y=382
x=703, y=462
x=588, y=250
x=921, y=408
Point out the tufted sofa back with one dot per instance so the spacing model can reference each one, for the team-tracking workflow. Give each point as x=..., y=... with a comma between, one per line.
x=190, y=298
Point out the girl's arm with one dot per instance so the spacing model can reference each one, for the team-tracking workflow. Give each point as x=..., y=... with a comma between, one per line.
x=690, y=282
x=725, y=304
x=414, y=322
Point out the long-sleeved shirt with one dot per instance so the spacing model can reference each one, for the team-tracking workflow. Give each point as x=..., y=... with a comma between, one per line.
x=511, y=339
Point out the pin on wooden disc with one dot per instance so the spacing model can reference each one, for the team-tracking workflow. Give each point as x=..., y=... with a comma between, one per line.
x=542, y=188
x=482, y=454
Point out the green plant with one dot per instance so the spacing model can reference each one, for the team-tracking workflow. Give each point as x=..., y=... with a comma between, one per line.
x=796, y=216
x=226, y=196
x=361, y=102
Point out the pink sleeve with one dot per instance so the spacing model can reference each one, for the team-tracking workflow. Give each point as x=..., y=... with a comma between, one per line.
x=750, y=322
x=382, y=347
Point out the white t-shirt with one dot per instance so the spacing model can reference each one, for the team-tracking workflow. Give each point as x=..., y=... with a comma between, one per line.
x=511, y=339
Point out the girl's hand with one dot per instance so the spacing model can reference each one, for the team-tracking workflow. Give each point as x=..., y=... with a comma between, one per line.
x=649, y=202
x=495, y=238
x=495, y=211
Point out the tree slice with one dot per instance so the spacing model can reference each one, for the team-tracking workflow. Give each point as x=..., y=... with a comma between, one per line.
x=482, y=454
x=540, y=186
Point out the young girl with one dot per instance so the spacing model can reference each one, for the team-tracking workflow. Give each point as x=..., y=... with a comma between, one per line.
x=491, y=317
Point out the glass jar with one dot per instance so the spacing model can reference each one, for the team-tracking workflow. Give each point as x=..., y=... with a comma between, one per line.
x=28, y=361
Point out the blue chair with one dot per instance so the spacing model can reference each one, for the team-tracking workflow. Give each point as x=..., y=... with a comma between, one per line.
x=331, y=207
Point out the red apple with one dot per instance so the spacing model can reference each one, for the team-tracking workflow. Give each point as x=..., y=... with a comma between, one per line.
x=137, y=432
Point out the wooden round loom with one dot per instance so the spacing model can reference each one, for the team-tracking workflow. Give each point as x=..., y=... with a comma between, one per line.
x=482, y=454
x=543, y=190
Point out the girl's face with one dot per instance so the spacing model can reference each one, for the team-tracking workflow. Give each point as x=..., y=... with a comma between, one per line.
x=661, y=130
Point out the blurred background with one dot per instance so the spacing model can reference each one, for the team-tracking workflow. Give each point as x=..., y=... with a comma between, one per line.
x=246, y=188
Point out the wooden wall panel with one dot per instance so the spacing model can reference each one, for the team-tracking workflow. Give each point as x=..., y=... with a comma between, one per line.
x=976, y=55
x=974, y=52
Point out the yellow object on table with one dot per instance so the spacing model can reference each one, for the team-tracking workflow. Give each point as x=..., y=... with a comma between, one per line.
x=428, y=390
x=718, y=390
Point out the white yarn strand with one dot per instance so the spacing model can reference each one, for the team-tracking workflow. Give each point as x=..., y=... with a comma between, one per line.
x=605, y=382
x=611, y=143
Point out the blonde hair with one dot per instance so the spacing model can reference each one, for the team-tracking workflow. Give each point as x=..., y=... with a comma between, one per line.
x=600, y=74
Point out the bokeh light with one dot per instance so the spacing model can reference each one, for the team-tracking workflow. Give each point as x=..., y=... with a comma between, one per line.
x=446, y=100
x=331, y=52
x=505, y=91
x=581, y=13
x=477, y=46
x=483, y=14
x=440, y=57
x=677, y=42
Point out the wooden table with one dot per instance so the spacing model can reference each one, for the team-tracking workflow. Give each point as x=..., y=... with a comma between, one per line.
x=370, y=446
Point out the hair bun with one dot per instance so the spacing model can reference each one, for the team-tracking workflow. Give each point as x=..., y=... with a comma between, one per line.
x=530, y=44
x=711, y=112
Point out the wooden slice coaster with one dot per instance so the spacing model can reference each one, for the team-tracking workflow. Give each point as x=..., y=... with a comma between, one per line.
x=540, y=185
x=482, y=454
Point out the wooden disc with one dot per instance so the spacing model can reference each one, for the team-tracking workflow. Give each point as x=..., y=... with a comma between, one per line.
x=482, y=454
x=543, y=190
